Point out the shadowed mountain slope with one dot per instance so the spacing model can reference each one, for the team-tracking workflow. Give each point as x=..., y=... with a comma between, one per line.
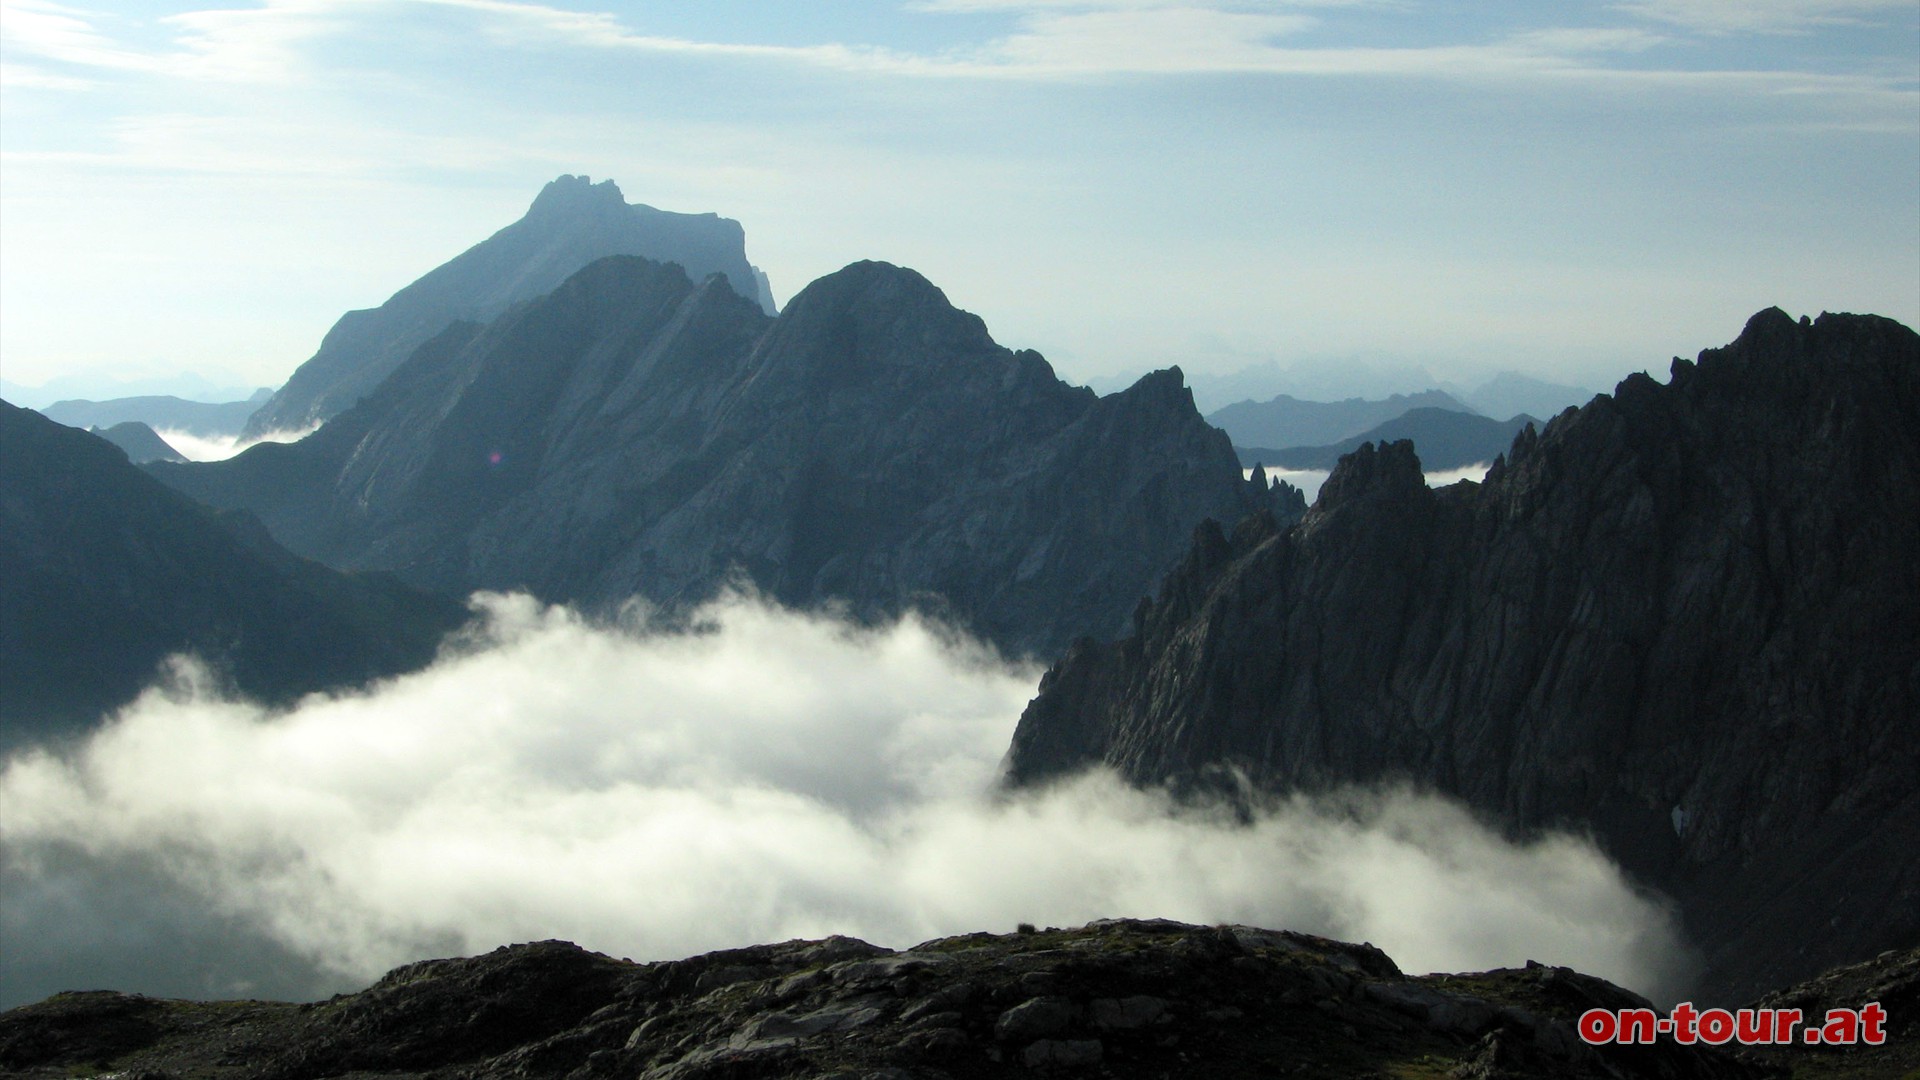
x=637, y=434
x=1684, y=617
x=104, y=572
x=572, y=223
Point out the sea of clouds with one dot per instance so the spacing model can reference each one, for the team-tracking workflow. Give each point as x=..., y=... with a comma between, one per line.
x=654, y=791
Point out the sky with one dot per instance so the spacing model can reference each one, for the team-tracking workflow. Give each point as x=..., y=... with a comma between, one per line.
x=655, y=795
x=190, y=195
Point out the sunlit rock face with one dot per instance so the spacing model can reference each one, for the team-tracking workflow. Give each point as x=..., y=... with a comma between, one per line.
x=1682, y=617
x=572, y=223
x=638, y=434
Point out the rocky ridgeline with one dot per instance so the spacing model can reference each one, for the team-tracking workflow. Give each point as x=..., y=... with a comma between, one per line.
x=1682, y=619
x=635, y=433
x=1117, y=998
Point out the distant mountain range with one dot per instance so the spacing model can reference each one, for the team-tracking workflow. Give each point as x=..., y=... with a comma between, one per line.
x=1287, y=421
x=1444, y=439
x=638, y=433
x=1682, y=618
x=572, y=223
x=159, y=411
x=104, y=572
x=1511, y=393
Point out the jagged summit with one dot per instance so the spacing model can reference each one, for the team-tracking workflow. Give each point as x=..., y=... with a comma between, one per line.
x=571, y=194
x=1680, y=618
x=572, y=223
x=1392, y=469
x=633, y=433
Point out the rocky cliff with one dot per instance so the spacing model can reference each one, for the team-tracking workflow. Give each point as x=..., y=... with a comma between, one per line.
x=635, y=433
x=1683, y=617
x=104, y=572
x=572, y=223
x=1119, y=998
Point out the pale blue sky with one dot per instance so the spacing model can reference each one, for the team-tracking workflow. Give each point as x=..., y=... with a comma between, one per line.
x=1570, y=190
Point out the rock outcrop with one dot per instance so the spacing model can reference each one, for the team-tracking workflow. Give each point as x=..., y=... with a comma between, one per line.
x=637, y=434
x=104, y=572
x=1119, y=998
x=572, y=223
x=1683, y=618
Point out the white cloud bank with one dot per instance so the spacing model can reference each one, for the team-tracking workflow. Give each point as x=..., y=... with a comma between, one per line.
x=221, y=447
x=655, y=794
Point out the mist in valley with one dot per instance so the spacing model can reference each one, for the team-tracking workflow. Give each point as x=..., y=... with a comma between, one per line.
x=654, y=788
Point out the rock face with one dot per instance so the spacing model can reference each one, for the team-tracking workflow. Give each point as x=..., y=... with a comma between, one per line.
x=1288, y=421
x=1444, y=439
x=1119, y=998
x=637, y=434
x=572, y=223
x=103, y=572
x=1684, y=617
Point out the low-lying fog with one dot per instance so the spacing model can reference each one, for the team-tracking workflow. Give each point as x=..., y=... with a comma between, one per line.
x=1309, y=480
x=657, y=793
x=221, y=447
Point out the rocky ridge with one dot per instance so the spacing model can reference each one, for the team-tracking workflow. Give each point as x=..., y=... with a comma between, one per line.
x=636, y=433
x=1117, y=998
x=571, y=223
x=1681, y=618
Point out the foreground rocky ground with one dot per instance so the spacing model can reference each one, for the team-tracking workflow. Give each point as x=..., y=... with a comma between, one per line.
x=1115, y=999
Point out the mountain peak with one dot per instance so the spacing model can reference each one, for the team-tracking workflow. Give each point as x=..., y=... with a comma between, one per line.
x=571, y=194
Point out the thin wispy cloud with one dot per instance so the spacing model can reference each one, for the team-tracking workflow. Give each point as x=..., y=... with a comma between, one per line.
x=1766, y=16
x=268, y=43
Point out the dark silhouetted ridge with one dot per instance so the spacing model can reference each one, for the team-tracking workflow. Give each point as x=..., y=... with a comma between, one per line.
x=104, y=572
x=1681, y=618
